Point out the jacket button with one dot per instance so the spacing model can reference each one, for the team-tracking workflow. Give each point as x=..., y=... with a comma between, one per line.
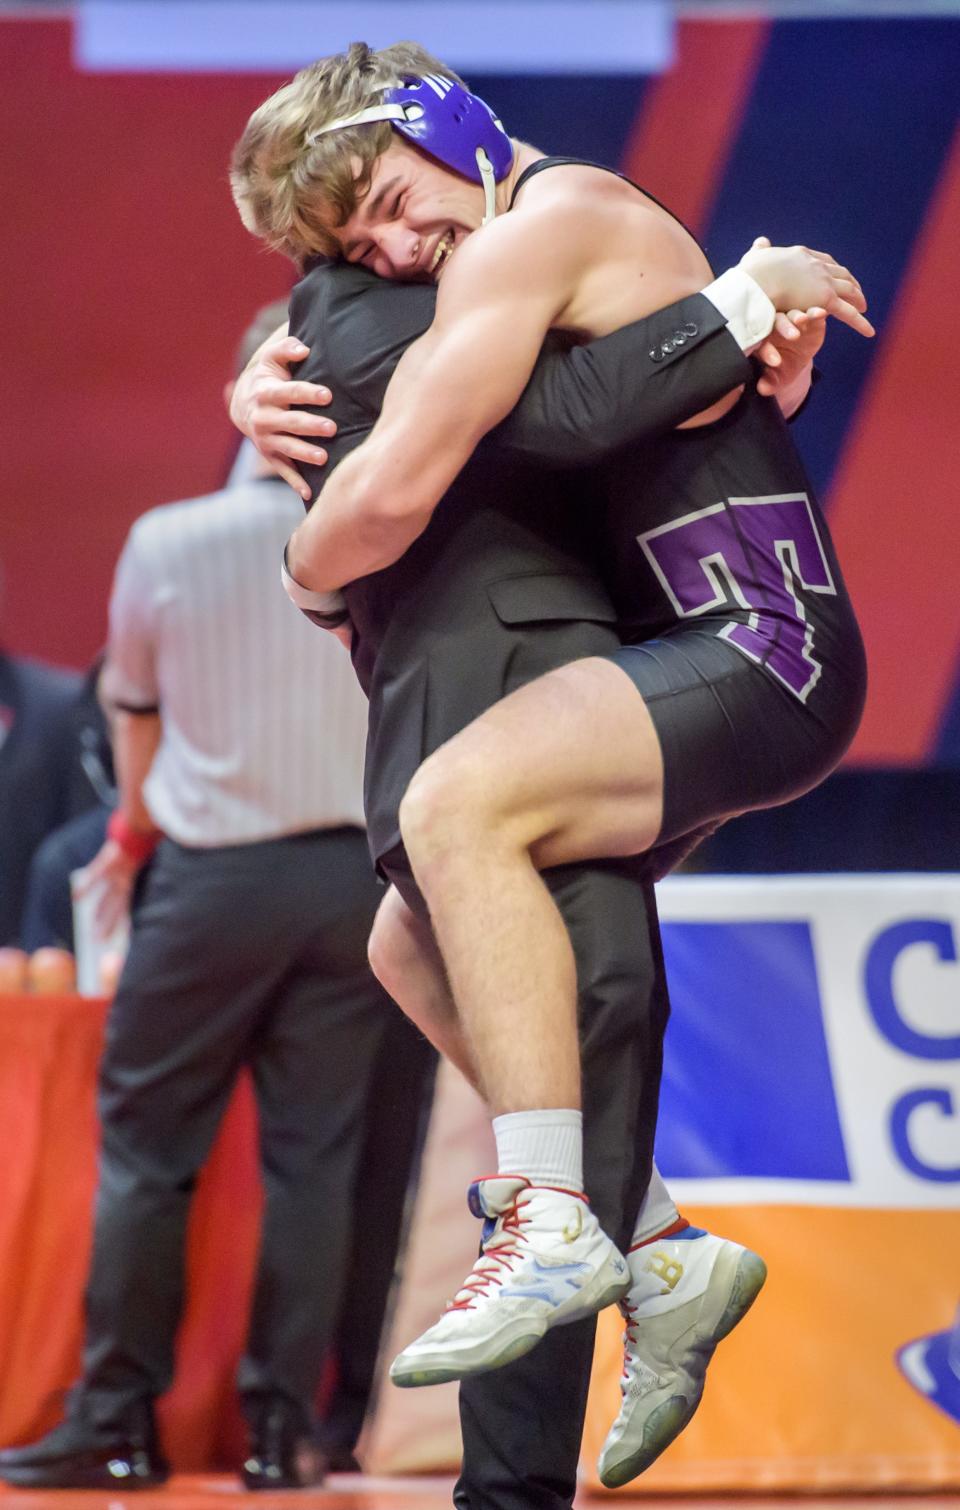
x=679, y=338
x=655, y=354
x=666, y=347
x=690, y=329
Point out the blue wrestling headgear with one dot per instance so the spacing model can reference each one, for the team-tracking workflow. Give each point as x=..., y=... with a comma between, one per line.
x=444, y=119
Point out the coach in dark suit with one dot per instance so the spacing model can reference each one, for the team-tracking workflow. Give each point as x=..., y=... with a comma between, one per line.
x=500, y=588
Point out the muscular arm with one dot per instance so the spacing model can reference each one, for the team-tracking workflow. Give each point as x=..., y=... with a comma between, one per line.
x=500, y=295
x=581, y=403
x=498, y=298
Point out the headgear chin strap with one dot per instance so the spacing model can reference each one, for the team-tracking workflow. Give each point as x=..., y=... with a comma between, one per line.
x=444, y=119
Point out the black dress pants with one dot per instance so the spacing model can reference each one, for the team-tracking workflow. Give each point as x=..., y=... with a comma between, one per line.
x=395, y=1126
x=251, y=955
x=522, y=1424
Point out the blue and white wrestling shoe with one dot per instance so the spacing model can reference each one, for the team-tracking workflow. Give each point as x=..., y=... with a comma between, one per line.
x=687, y=1291
x=545, y=1262
x=932, y=1365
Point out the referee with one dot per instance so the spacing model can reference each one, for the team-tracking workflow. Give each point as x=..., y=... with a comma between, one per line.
x=239, y=736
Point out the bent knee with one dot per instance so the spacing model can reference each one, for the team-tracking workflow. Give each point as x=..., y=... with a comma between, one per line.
x=448, y=802
x=385, y=953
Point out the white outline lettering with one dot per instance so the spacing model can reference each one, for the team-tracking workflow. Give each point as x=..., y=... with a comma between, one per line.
x=724, y=583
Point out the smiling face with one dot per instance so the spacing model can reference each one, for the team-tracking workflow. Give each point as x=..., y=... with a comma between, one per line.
x=414, y=216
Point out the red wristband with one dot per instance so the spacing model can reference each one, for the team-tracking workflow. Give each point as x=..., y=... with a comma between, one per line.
x=136, y=845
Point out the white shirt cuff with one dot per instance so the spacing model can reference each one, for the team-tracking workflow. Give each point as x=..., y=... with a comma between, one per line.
x=327, y=603
x=744, y=305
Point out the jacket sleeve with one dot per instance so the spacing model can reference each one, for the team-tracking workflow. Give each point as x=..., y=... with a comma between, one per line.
x=586, y=402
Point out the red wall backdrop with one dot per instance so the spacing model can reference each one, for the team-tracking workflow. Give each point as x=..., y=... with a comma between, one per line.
x=127, y=280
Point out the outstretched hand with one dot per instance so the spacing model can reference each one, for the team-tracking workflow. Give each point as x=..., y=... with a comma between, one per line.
x=262, y=407
x=795, y=277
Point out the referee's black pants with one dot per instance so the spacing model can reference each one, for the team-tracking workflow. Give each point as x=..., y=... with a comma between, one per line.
x=522, y=1424
x=249, y=955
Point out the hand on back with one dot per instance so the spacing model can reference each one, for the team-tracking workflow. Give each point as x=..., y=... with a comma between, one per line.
x=264, y=407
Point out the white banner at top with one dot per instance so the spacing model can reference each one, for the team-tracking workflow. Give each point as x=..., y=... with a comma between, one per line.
x=485, y=36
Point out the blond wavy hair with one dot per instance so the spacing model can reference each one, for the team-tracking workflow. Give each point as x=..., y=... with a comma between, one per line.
x=290, y=192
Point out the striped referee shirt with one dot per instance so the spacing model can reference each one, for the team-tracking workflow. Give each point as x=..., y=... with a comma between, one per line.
x=263, y=723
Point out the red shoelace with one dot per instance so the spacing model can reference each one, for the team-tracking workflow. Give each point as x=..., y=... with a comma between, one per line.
x=505, y=1240
x=629, y=1314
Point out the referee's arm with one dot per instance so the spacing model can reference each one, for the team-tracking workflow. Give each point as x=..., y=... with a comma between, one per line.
x=128, y=687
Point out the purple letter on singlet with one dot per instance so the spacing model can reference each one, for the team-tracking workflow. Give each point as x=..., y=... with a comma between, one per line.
x=755, y=552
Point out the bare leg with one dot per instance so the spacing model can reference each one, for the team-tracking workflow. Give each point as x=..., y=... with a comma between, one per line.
x=406, y=961
x=566, y=769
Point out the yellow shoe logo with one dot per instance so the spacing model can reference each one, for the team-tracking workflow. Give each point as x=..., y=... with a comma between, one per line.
x=667, y=1269
x=573, y=1226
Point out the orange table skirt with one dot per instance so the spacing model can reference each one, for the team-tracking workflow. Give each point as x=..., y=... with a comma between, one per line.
x=806, y=1397
x=49, y=1049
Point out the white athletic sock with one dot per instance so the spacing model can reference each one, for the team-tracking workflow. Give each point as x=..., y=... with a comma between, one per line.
x=657, y=1212
x=545, y=1146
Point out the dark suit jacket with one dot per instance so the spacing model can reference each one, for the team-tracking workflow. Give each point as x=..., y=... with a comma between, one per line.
x=37, y=761
x=503, y=584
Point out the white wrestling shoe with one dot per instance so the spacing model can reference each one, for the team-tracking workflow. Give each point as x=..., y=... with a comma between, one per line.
x=686, y=1293
x=545, y=1262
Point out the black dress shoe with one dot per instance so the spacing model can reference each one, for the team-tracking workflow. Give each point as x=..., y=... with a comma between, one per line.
x=82, y=1455
x=284, y=1453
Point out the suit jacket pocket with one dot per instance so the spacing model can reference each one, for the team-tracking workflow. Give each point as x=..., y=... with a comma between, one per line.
x=539, y=598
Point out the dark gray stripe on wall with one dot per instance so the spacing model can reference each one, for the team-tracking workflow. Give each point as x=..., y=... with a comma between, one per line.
x=841, y=146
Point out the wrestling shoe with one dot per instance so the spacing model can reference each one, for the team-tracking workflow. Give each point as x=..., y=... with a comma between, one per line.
x=544, y=1262
x=687, y=1291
